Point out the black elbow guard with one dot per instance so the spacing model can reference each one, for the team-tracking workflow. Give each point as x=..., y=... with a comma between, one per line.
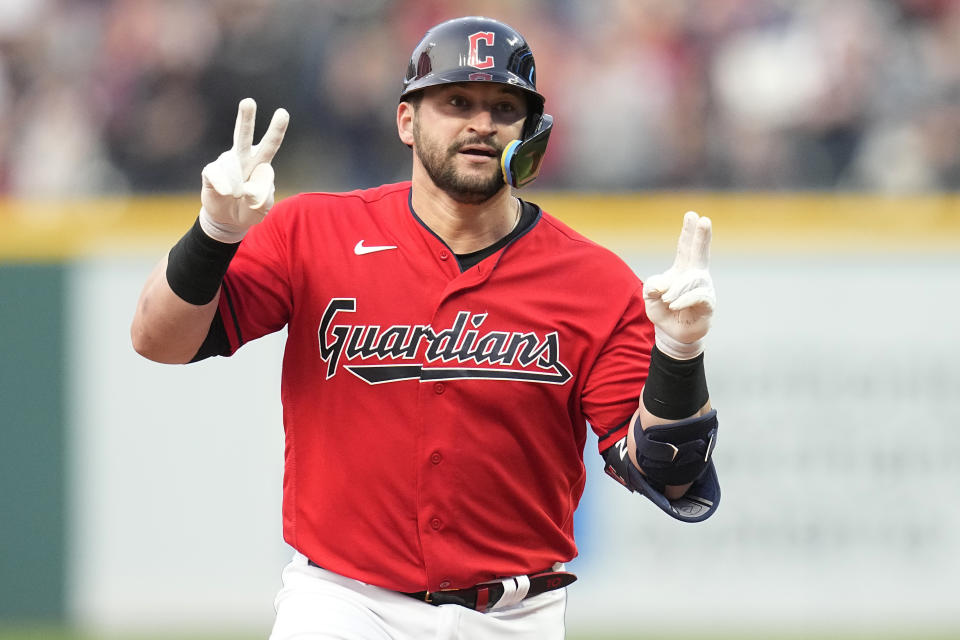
x=676, y=453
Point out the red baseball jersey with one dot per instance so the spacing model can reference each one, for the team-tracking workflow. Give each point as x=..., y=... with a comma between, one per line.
x=435, y=419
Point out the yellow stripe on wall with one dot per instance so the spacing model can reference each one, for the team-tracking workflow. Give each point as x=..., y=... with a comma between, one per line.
x=747, y=222
x=61, y=229
x=768, y=223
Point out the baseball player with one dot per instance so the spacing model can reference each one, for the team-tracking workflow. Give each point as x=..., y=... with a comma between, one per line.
x=448, y=345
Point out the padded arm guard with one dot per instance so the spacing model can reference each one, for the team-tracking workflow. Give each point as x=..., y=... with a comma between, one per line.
x=676, y=453
x=683, y=444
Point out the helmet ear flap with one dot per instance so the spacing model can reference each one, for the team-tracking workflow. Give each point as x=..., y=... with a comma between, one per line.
x=522, y=158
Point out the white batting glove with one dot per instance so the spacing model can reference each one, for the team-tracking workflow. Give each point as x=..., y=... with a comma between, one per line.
x=238, y=186
x=681, y=300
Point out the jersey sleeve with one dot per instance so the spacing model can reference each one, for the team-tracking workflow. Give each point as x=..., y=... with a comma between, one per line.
x=611, y=392
x=256, y=297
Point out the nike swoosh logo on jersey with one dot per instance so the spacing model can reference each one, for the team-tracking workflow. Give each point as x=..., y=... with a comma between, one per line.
x=361, y=250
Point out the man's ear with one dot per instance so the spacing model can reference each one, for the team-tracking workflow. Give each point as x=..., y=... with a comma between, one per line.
x=405, y=115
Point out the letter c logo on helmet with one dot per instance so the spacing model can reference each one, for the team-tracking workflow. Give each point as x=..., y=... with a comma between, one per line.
x=487, y=37
x=454, y=51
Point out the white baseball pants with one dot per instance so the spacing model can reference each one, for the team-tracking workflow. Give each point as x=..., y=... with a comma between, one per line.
x=315, y=604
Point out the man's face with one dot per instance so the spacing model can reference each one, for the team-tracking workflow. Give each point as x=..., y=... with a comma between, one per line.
x=460, y=131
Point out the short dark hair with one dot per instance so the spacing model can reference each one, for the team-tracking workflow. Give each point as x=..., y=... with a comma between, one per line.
x=414, y=99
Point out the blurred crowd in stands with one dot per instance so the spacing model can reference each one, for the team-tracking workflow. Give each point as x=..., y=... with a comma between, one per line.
x=118, y=96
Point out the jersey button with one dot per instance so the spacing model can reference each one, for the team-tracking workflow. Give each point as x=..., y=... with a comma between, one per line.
x=435, y=457
x=439, y=387
x=435, y=524
x=445, y=584
x=444, y=255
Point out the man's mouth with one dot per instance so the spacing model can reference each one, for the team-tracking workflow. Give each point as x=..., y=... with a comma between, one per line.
x=479, y=150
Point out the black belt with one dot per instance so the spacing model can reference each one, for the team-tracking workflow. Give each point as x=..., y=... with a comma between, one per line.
x=484, y=596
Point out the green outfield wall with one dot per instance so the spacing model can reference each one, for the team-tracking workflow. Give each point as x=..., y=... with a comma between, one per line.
x=32, y=457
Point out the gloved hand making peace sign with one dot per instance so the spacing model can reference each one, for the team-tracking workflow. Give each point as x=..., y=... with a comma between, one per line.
x=238, y=186
x=681, y=300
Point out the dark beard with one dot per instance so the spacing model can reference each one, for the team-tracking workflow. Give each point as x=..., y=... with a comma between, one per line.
x=440, y=167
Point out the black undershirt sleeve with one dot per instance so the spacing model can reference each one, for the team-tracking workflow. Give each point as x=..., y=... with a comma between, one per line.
x=216, y=343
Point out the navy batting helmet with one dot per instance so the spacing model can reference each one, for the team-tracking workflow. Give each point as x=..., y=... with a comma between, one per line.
x=477, y=49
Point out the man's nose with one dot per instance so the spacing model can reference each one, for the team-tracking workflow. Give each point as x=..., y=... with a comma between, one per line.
x=482, y=122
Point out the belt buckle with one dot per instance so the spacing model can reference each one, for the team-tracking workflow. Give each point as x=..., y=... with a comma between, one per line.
x=430, y=596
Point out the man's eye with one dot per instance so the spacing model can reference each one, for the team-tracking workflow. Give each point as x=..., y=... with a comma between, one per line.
x=458, y=101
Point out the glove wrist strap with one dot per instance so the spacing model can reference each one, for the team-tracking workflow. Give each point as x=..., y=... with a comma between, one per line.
x=218, y=231
x=675, y=349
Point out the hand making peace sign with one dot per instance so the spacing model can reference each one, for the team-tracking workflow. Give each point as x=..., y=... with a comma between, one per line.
x=238, y=186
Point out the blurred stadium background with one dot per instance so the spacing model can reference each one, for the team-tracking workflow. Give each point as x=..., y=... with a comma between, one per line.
x=823, y=137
